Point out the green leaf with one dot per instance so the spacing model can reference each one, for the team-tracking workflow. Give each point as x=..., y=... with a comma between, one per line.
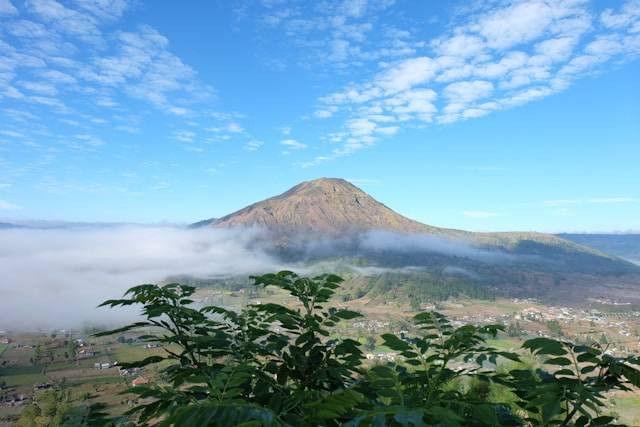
x=559, y=361
x=543, y=345
x=347, y=314
x=395, y=343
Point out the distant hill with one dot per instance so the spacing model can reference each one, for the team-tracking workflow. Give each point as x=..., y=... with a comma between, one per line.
x=626, y=246
x=330, y=224
x=6, y=225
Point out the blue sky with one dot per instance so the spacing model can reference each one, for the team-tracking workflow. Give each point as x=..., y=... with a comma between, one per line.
x=493, y=115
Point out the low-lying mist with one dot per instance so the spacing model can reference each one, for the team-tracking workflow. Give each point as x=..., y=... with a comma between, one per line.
x=56, y=278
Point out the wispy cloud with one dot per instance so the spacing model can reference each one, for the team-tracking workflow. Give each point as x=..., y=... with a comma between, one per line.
x=338, y=33
x=293, y=144
x=253, y=145
x=6, y=205
x=501, y=55
x=6, y=8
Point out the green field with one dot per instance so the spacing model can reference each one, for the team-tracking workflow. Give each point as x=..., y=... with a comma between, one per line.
x=3, y=348
x=628, y=407
x=97, y=380
x=23, y=382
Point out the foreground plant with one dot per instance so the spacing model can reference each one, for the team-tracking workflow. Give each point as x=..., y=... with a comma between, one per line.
x=275, y=365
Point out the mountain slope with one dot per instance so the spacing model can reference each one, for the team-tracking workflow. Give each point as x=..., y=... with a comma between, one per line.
x=326, y=205
x=333, y=206
x=626, y=246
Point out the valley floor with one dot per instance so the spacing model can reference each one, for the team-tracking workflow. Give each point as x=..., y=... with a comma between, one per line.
x=87, y=368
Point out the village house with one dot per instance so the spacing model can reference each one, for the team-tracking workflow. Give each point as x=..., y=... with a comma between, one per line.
x=139, y=381
x=16, y=399
x=85, y=354
x=43, y=386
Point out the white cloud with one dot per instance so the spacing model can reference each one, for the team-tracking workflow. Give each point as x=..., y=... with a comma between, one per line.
x=501, y=55
x=523, y=21
x=142, y=67
x=40, y=88
x=6, y=8
x=67, y=20
x=234, y=128
x=293, y=144
x=627, y=16
x=178, y=111
x=387, y=130
x=468, y=91
x=253, y=145
x=184, y=136
x=418, y=101
x=6, y=205
x=106, y=10
x=325, y=113
x=407, y=74
x=337, y=33
x=460, y=45
x=555, y=49
x=12, y=133
x=90, y=140
x=361, y=127
x=58, y=77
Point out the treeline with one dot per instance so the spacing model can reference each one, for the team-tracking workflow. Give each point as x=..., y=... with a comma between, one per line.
x=421, y=286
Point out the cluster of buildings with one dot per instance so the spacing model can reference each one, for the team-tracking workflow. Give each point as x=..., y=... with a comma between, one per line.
x=381, y=357
x=371, y=324
x=105, y=365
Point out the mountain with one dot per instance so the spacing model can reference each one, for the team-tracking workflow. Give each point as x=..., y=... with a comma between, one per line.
x=330, y=224
x=329, y=206
x=623, y=245
x=333, y=207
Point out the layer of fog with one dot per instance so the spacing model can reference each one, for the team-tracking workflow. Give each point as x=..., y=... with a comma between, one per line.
x=383, y=241
x=56, y=278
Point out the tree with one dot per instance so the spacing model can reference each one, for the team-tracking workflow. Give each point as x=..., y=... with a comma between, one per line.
x=276, y=365
x=50, y=408
x=37, y=353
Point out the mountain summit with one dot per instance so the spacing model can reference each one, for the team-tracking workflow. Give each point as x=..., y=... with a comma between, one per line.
x=326, y=205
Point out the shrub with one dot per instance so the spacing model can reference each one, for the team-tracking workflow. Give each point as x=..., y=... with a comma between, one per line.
x=275, y=365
